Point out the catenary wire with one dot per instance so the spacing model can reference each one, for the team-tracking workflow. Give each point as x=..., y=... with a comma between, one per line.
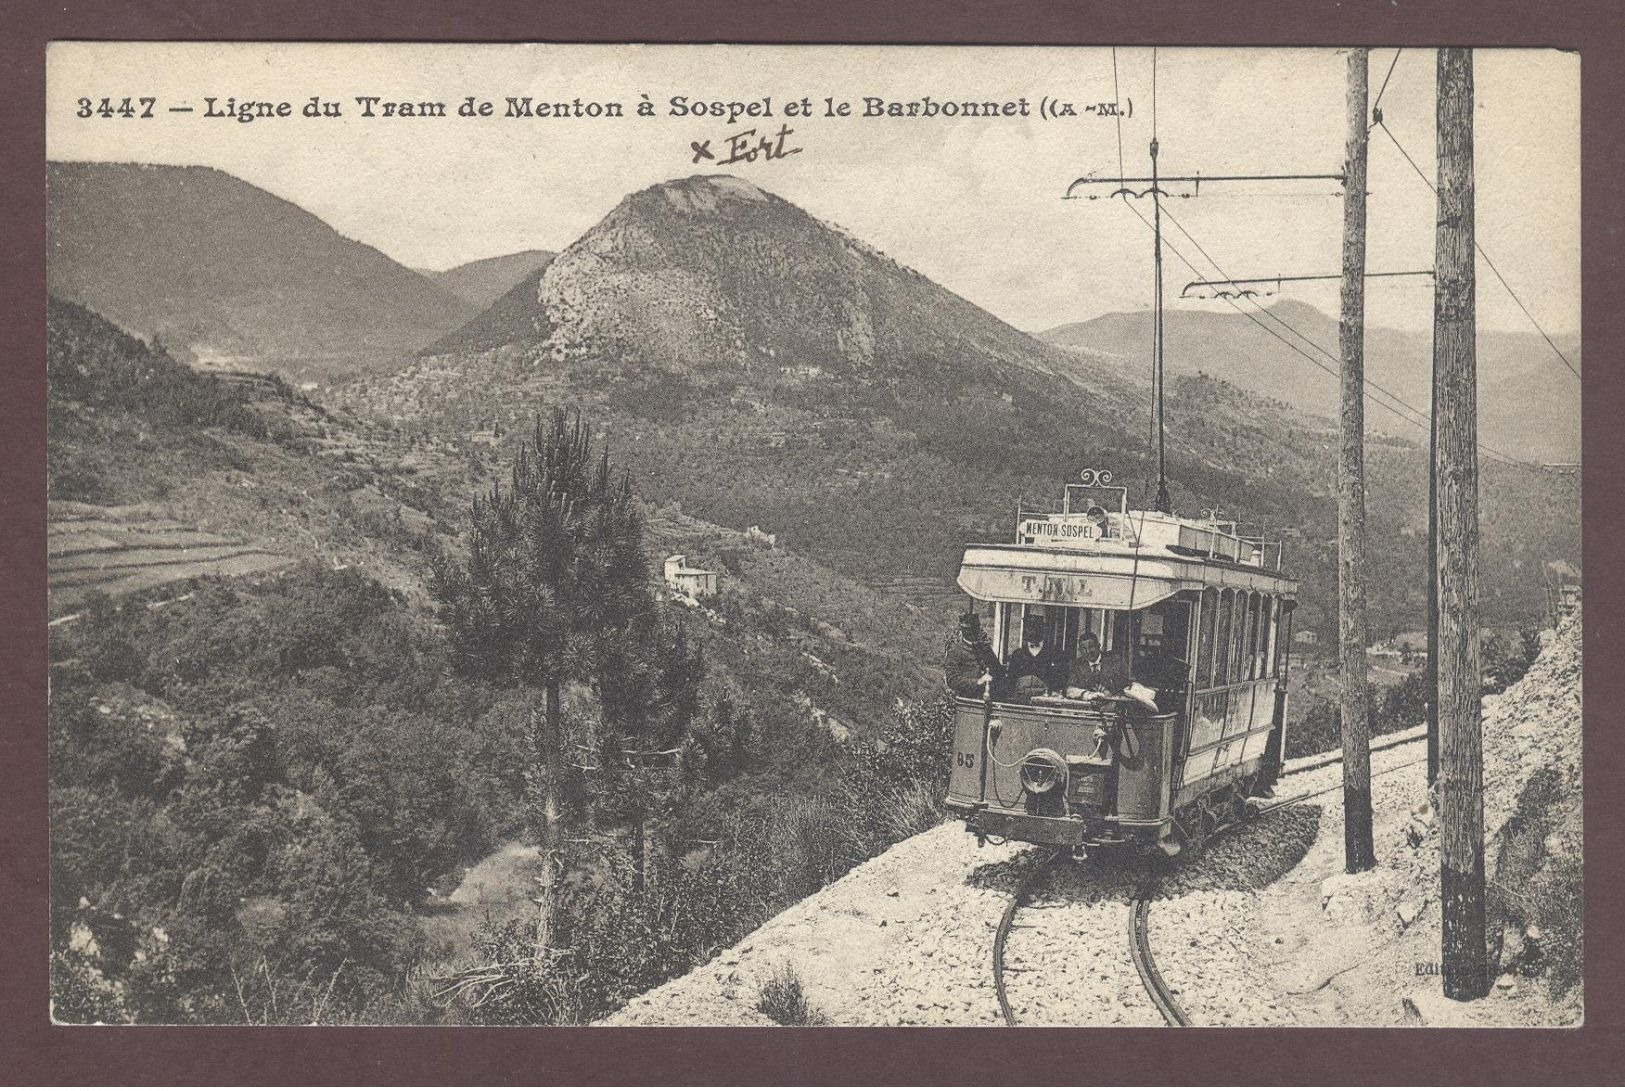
x=1421, y=418
x=1416, y=418
x=1485, y=255
x=1385, y=80
x=1117, y=101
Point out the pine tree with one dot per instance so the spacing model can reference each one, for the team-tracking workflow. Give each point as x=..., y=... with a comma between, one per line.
x=554, y=576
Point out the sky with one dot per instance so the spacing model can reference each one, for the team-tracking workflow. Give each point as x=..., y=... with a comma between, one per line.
x=973, y=203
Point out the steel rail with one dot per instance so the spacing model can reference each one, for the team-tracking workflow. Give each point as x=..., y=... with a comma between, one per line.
x=1006, y=922
x=1139, y=938
x=1140, y=910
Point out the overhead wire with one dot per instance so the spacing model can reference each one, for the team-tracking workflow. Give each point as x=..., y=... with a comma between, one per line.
x=1419, y=418
x=1385, y=80
x=1382, y=397
x=1117, y=101
x=1420, y=173
x=1397, y=411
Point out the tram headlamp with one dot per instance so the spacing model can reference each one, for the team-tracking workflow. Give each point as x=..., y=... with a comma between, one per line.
x=1043, y=771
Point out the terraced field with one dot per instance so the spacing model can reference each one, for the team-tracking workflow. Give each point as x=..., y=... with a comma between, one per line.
x=119, y=550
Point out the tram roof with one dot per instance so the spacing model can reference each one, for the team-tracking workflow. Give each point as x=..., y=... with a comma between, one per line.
x=1107, y=575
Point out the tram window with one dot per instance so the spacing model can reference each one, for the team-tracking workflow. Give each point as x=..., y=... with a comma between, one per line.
x=1276, y=643
x=1100, y=623
x=1222, y=654
x=1238, y=640
x=1009, y=630
x=1119, y=630
x=1254, y=605
x=1167, y=626
x=1209, y=623
x=1283, y=639
x=1266, y=634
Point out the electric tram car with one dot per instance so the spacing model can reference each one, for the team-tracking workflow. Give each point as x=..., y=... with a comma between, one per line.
x=1201, y=615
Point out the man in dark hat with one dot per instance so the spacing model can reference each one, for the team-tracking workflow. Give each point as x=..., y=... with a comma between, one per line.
x=969, y=663
x=1034, y=668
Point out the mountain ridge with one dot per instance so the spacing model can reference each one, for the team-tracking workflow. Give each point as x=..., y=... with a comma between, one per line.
x=1528, y=408
x=483, y=281
x=219, y=269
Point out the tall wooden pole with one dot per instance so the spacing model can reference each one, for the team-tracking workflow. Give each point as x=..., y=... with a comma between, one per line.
x=1431, y=675
x=1464, y=953
x=1358, y=847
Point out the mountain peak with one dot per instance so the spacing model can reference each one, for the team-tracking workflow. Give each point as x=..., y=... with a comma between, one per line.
x=704, y=193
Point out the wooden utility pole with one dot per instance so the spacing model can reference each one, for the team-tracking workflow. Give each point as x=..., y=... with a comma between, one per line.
x=1431, y=675
x=1464, y=958
x=1358, y=847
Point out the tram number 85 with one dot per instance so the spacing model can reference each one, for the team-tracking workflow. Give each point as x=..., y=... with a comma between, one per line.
x=965, y=759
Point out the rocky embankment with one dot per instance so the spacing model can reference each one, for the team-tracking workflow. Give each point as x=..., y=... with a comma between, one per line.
x=1262, y=928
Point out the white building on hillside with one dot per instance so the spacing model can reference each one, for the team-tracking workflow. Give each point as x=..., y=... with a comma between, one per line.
x=696, y=583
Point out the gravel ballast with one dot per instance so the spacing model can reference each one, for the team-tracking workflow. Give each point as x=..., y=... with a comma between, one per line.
x=1263, y=928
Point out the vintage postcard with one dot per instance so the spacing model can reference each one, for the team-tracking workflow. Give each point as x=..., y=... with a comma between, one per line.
x=706, y=535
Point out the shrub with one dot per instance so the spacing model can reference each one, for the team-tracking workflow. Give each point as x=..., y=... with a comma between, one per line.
x=782, y=1000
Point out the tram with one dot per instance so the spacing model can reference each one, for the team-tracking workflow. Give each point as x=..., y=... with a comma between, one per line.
x=1200, y=615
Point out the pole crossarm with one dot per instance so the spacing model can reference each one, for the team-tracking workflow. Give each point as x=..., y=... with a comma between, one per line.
x=1123, y=189
x=1185, y=293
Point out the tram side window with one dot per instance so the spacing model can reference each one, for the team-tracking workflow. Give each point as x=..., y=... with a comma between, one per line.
x=1208, y=624
x=1238, y=640
x=1254, y=606
x=1222, y=641
x=1283, y=639
x=1266, y=636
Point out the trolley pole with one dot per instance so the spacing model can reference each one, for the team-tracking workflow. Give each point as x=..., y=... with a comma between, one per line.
x=1464, y=956
x=1358, y=844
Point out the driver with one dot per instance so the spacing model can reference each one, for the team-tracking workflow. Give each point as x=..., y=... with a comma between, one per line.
x=969, y=662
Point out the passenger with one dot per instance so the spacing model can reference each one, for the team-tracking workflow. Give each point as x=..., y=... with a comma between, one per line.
x=1033, y=668
x=970, y=663
x=1163, y=673
x=1093, y=671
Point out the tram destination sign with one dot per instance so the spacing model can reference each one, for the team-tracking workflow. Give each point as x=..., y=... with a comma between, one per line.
x=1058, y=530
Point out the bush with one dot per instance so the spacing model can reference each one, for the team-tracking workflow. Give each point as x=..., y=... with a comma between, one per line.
x=782, y=1000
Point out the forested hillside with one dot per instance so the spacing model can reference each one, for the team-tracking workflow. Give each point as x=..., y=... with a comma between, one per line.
x=481, y=283
x=266, y=791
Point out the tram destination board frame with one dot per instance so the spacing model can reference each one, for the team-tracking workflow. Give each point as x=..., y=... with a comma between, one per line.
x=36, y=1050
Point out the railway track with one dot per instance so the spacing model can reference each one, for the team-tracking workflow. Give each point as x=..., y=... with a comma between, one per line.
x=1139, y=915
x=1139, y=938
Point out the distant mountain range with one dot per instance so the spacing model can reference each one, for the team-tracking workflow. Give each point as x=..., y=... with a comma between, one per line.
x=760, y=366
x=221, y=270
x=1529, y=405
x=481, y=283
